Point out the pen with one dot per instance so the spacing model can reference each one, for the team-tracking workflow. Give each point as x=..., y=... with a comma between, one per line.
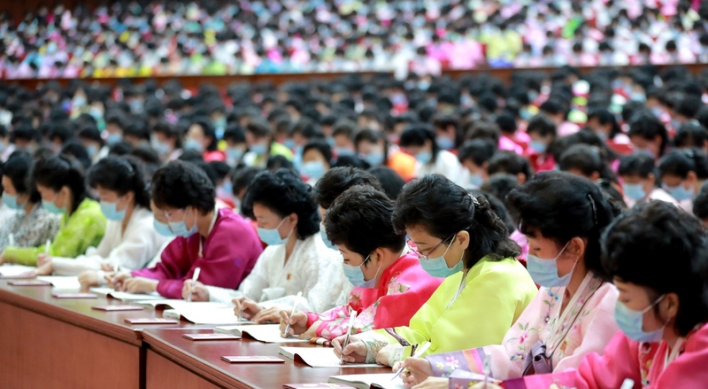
x=627, y=384
x=346, y=340
x=287, y=328
x=11, y=240
x=195, y=276
x=46, y=246
x=418, y=353
x=487, y=370
x=240, y=314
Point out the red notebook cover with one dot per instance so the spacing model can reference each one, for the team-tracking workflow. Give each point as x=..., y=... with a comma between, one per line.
x=74, y=295
x=118, y=308
x=29, y=283
x=317, y=386
x=151, y=320
x=252, y=359
x=211, y=337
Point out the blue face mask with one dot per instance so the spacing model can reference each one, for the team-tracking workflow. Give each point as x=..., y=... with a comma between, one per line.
x=193, y=144
x=259, y=148
x=355, y=275
x=343, y=151
x=634, y=191
x=92, y=150
x=11, y=201
x=289, y=143
x=160, y=147
x=111, y=213
x=437, y=267
x=538, y=146
x=114, y=137
x=680, y=192
x=476, y=180
x=162, y=228
x=325, y=239
x=180, y=228
x=631, y=323
x=52, y=208
x=271, y=237
x=226, y=189
x=374, y=159
x=234, y=153
x=424, y=157
x=544, y=271
x=313, y=169
x=445, y=143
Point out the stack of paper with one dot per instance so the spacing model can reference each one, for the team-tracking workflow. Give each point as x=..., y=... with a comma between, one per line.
x=123, y=296
x=9, y=270
x=71, y=282
x=268, y=333
x=366, y=381
x=319, y=357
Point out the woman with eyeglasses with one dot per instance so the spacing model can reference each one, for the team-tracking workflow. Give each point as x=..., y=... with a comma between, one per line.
x=218, y=241
x=61, y=183
x=459, y=238
x=563, y=217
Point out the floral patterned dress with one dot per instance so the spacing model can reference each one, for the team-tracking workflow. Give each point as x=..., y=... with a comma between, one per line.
x=587, y=324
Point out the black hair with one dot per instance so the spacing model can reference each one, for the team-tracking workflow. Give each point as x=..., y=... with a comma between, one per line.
x=235, y=133
x=78, y=151
x=241, y=178
x=700, y=202
x=506, y=122
x=443, y=209
x=416, y=135
x=478, y=151
x=121, y=175
x=498, y=207
x=371, y=136
x=344, y=127
x=181, y=184
x=360, y=219
x=120, y=148
x=60, y=171
x=91, y=133
x=637, y=246
x=339, y=179
x=390, y=181
x=169, y=130
x=604, y=117
x=321, y=146
x=637, y=164
x=541, y=124
x=208, y=131
x=505, y=161
x=691, y=134
x=220, y=168
x=688, y=106
x=500, y=185
x=648, y=126
x=284, y=193
x=259, y=128
x=277, y=162
x=588, y=160
x=680, y=162
x=18, y=169
x=62, y=132
x=561, y=206
x=137, y=129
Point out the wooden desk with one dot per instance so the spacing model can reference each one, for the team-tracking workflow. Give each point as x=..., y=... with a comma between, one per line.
x=52, y=343
x=173, y=361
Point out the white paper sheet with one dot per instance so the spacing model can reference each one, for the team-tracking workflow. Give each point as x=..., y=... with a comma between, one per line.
x=319, y=357
x=204, y=315
x=366, y=380
x=177, y=304
x=123, y=296
x=62, y=282
x=15, y=270
x=268, y=333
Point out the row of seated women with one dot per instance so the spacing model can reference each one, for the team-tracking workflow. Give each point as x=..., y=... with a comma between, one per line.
x=436, y=266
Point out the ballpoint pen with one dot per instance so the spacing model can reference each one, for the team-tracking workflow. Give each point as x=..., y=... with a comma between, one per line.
x=349, y=331
x=418, y=353
x=287, y=328
x=194, y=281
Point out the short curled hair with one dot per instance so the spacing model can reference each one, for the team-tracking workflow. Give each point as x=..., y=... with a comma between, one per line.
x=561, y=206
x=18, y=169
x=660, y=247
x=181, y=184
x=443, y=208
x=121, y=175
x=339, y=179
x=360, y=219
x=284, y=193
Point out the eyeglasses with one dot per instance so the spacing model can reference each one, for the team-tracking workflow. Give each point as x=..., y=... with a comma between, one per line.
x=414, y=249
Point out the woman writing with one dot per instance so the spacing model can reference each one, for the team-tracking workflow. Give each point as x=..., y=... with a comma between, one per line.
x=457, y=237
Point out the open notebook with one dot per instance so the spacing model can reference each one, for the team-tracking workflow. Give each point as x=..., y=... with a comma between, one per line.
x=10, y=270
x=366, y=381
x=268, y=333
x=60, y=282
x=203, y=315
x=123, y=296
x=318, y=357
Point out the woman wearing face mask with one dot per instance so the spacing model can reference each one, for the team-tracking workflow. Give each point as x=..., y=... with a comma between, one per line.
x=316, y=157
x=562, y=216
x=391, y=284
x=661, y=311
x=419, y=140
x=62, y=185
x=31, y=225
x=201, y=137
x=130, y=241
x=373, y=147
x=639, y=180
x=219, y=242
x=296, y=259
x=457, y=237
x=682, y=173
